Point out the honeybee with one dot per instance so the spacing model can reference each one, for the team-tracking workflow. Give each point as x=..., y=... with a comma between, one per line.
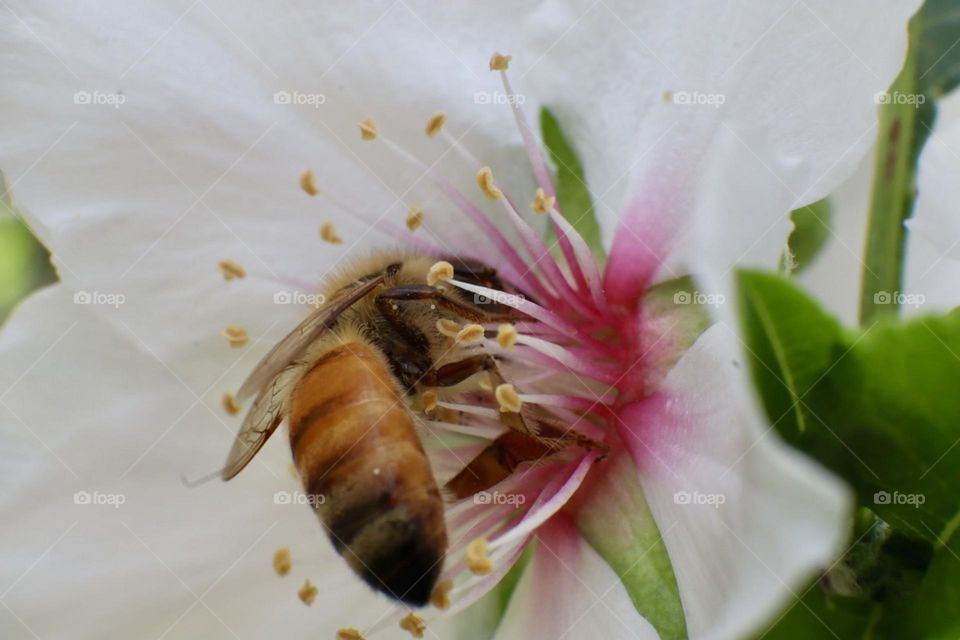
x=347, y=380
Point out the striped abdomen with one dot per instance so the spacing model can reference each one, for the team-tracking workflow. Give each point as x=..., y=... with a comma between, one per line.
x=355, y=447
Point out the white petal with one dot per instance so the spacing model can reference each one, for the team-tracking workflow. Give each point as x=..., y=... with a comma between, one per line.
x=200, y=164
x=797, y=84
x=85, y=411
x=746, y=520
x=569, y=591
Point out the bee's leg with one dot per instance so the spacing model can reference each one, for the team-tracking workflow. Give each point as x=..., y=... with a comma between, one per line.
x=454, y=373
x=496, y=462
x=460, y=308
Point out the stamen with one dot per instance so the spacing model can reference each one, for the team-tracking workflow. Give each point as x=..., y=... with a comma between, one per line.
x=231, y=270
x=441, y=270
x=414, y=624
x=448, y=328
x=476, y=430
x=542, y=203
x=414, y=218
x=440, y=598
x=508, y=399
x=476, y=557
x=230, y=404
x=281, y=561
x=308, y=182
x=349, y=634
x=429, y=401
x=507, y=336
x=470, y=334
x=485, y=180
x=435, y=123
x=328, y=233
x=308, y=592
x=368, y=129
x=499, y=62
x=236, y=336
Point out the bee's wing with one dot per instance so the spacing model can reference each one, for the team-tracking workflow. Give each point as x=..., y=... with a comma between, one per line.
x=265, y=416
x=300, y=338
x=271, y=386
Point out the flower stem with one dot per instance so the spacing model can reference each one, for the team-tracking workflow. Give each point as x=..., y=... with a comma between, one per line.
x=893, y=190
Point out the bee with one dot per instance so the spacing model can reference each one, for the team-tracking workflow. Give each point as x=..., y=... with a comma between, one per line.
x=346, y=380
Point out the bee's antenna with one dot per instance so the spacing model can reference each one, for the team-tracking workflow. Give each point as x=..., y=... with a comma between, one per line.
x=196, y=482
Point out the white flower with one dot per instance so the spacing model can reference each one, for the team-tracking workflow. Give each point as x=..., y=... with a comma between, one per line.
x=149, y=143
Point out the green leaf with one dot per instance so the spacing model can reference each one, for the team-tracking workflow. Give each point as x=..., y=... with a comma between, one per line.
x=573, y=196
x=880, y=407
x=790, y=343
x=819, y=615
x=618, y=524
x=939, y=56
x=932, y=611
x=811, y=228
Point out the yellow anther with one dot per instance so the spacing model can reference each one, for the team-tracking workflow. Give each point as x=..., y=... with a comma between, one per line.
x=236, y=336
x=368, y=129
x=442, y=270
x=328, y=233
x=230, y=404
x=499, y=62
x=429, y=401
x=349, y=634
x=542, y=203
x=507, y=336
x=281, y=561
x=476, y=557
x=470, y=334
x=508, y=399
x=308, y=593
x=414, y=218
x=414, y=624
x=440, y=598
x=448, y=327
x=308, y=182
x=485, y=180
x=435, y=123
x=231, y=270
